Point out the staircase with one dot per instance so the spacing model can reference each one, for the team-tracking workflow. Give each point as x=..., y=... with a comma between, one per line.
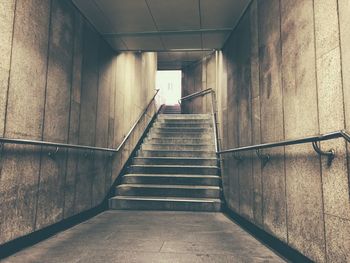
x=172, y=109
x=175, y=168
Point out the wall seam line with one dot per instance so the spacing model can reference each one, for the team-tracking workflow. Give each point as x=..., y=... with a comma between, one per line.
x=319, y=129
x=343, y=94
x=2, y=150
x=43, y=120
x=69, y=119
x=81, y=24
x=283, y=118
x=260, y=103
x=96, y=116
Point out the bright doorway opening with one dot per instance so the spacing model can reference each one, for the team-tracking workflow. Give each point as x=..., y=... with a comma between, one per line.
x=169, y=84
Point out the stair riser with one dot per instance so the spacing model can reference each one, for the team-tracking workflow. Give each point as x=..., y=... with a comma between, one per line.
x=183, y=125
x=147, y=153
x=182, y=130
x=190, y=123
x=179, y=161
x=199, y=135
x=177, y=141
x=184, y=117
x=178, y=147
x=164, y=205
x=173, y=170
x=166, y=192
x=171, y=180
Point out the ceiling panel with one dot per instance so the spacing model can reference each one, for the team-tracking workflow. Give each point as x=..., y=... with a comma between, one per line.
x=163, y=56
x=143, y=42
x=221, y=13
x=196, y=55
x=182, y=41
x=169, y=65
x=117, y=43
x=175, y=15
x=165, y=25
x=214, y=40
x=95, y=16
x=178, y=56
x=127, y=15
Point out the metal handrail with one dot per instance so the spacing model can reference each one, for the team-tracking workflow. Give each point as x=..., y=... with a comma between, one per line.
x=265, y=157
x=213, y=112
x=135, y=124
x=75, y=146
x=196, y=94
x=310, y=139
x=54, y=144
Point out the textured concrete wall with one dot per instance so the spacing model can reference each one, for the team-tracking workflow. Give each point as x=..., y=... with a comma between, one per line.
x=61, y=82
x=196, y=78
x=284, y=74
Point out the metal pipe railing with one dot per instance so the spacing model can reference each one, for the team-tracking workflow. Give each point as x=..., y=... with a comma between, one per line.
x=135, y=124
x=75, y=146
x=196, y=94
x=310, y=139
x=213, y=111
x=257, y=147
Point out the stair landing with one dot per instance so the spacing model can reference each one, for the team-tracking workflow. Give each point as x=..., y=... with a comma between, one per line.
x=150, y=236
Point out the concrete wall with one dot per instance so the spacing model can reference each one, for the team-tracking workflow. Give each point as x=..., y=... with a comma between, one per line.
x=61, y=82
x=283, y=74
x=196, y=78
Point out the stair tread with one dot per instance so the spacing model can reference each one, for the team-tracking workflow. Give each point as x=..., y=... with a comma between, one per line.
x=191, y=187
x=179, y=144
x=176, y=158
x=210, y=151
x=167, y=199
x=175, y=175
x=165, y=149
x=173, y=166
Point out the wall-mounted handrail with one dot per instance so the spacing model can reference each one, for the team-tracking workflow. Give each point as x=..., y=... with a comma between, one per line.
x=75, y=146
x=54, y=144
x=310, y=139
x=264, y=157
x=196, y=94
x=135, y=124
x=213, y=111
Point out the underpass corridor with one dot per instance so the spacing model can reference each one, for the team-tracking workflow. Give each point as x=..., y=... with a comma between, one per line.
x=175, y=131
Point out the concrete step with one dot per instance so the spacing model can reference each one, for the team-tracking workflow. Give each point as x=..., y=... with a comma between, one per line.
x=182, y=130
x=172, y=179
x=168, y=190
x=199, y=135
x=183, y=147
x=182, y=125
x=184, y=116
x=174, y=169
x=184, y=121
x=162, y=203
x=169, y=153
x=175, y=140
x=174, y=161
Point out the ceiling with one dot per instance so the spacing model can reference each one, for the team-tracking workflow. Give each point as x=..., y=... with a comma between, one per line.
x=182, y=31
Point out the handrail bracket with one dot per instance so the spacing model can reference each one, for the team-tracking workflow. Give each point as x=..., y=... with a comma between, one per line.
x=264, y=158
x=52, y=154
x=330, y=154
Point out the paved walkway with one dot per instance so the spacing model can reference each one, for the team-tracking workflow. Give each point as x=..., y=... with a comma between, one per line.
x=139, y=236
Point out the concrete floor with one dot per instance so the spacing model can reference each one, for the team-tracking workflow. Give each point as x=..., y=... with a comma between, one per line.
x=139, y=236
